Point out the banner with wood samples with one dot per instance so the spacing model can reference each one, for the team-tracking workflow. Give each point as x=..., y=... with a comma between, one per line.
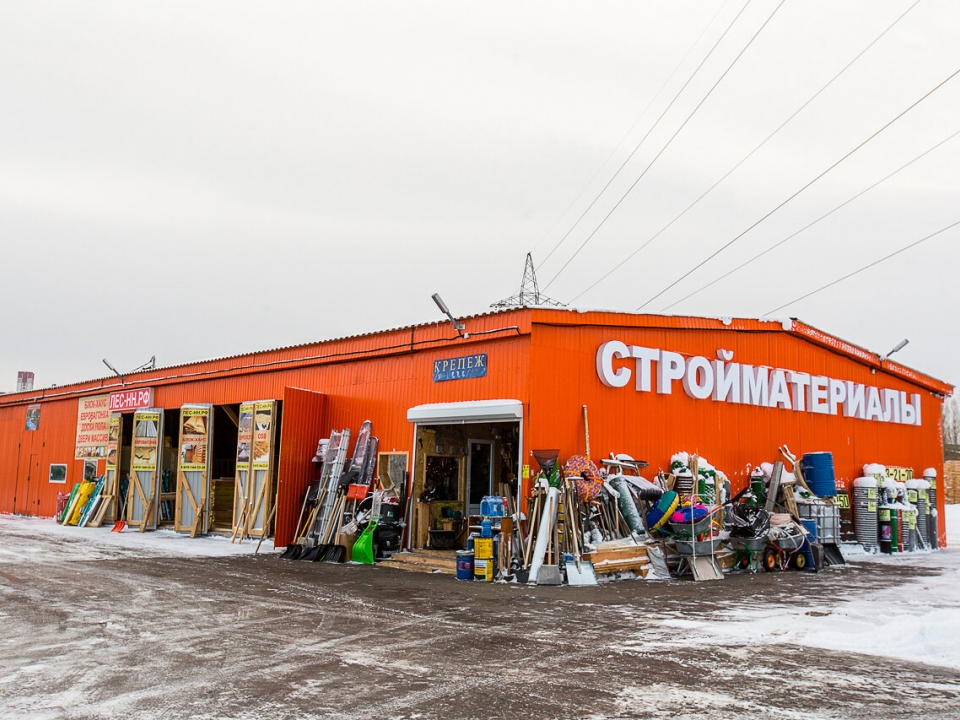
x=241, y=498
x=261, y=480
x=93, y=414
x=193, y=473
x=144, y=465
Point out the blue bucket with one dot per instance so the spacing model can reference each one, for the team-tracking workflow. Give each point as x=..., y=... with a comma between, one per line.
x=818, y=472
x=464, y=565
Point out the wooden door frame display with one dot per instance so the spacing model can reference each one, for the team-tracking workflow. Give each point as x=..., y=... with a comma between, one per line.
x=383, y=464
x=110, y=493
x=260, y=481
x=145, y=470
x=192, y=513
x=242, y=476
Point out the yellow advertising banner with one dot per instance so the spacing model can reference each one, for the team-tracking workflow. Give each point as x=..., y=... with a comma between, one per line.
x=114, y=427
x=262, y=434
x=244, y=436
x=146, y=440
x=93, y=416
x=194, y=438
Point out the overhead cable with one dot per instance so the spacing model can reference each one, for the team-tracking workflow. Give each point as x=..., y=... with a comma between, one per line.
x=748, y=155
x=628, y=133
x=643, y=139
x=810, y=225
x=865, y=267
x=798, y=192
x=664, y=148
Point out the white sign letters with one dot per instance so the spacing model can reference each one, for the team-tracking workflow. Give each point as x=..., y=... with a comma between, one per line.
x=725, y=381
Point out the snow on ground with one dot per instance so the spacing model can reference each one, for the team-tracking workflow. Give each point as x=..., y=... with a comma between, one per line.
x=91, y=543
x=917, y=622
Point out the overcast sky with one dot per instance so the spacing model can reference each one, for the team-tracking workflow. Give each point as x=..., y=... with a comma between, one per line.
x=189, y=180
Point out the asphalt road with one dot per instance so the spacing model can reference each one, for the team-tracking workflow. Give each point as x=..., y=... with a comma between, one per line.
x=105, y=632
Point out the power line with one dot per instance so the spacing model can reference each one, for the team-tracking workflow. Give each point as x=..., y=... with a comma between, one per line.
x=664, y=148
x=865, y=267
x=628, y=133
x=643, y=139
x=731, y=242
x=748, y=155
x=808, y=226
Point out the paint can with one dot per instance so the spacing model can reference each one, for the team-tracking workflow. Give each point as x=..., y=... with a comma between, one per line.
x=464, y=565
x=483, y=569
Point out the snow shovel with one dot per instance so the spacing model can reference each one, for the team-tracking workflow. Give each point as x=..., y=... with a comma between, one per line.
x=338, y=553
x=579, y=571
x=121, y=511
x=363, y=547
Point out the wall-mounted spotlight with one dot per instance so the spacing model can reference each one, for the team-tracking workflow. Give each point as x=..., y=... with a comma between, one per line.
x=458, y=326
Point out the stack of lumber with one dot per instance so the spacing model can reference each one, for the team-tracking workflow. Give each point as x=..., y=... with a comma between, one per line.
x=609, y=559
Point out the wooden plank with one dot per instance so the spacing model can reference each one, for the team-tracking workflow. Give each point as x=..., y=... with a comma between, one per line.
x=228, y=411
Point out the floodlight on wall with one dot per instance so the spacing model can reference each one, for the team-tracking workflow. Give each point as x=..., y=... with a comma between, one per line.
x=458, y=326
x=150, y=364
x=898, y=348
x=115, y=371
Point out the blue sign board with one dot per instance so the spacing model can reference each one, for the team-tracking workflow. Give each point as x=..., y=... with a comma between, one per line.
x=459, y=368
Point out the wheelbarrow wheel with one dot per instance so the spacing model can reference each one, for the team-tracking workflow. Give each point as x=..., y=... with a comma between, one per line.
x=743, y=561
x=799, y=561
x=770, y=562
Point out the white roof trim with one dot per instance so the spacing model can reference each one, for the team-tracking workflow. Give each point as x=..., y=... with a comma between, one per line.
x=472, y=411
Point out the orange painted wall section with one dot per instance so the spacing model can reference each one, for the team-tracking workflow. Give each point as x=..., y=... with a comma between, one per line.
x=303, y=425
x=544, y=358
x=377, y=378
x=733, y=437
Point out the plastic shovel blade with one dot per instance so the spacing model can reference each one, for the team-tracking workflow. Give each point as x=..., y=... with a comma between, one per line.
x=583, y=575
x=363, y=548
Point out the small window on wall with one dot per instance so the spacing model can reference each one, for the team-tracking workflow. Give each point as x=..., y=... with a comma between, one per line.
x=58, y=473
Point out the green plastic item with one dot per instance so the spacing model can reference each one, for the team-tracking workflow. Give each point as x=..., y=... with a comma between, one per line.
x=363, y=547
x=73, y=494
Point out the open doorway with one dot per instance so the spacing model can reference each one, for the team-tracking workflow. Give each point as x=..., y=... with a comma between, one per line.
x=455, y=467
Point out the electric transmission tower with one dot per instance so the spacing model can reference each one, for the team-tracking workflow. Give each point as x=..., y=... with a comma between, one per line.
x=529, y=292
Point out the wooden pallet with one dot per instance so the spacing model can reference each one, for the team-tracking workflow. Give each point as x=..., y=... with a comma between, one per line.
x=427, y=561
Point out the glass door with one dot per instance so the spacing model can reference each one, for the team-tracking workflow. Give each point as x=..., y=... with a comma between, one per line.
x=479, y=474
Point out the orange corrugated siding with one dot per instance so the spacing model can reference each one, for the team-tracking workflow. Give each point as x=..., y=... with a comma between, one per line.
x=548, y=362
x=303, y=426
x=652, y=427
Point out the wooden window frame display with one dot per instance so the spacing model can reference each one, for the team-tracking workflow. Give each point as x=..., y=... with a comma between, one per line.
x=192, y=513
x=147, y=474
x=252, y=513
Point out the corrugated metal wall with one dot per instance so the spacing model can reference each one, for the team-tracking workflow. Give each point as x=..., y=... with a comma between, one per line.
x=303, y=426
x=549, y=366
x=371, y=377
x=652, y=427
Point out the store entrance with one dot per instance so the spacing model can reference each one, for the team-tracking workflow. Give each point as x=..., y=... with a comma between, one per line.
x=455, y=467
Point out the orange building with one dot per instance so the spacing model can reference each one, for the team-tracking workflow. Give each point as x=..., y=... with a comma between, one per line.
x=464, y=412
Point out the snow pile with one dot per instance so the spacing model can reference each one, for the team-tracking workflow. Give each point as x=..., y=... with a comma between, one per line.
x=915, y=622
x=86, y=541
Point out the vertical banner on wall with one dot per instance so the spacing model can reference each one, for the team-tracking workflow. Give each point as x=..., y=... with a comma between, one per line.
x=241, y=499
x=261, y=467
x=33, y=417
x=144, y=465
x=108, y=507
x=193, y=473
x=93, y=414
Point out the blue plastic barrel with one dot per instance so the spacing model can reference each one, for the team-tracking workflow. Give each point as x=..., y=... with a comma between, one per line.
x=464, y=565
x=818, y=472
x=811, y=526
